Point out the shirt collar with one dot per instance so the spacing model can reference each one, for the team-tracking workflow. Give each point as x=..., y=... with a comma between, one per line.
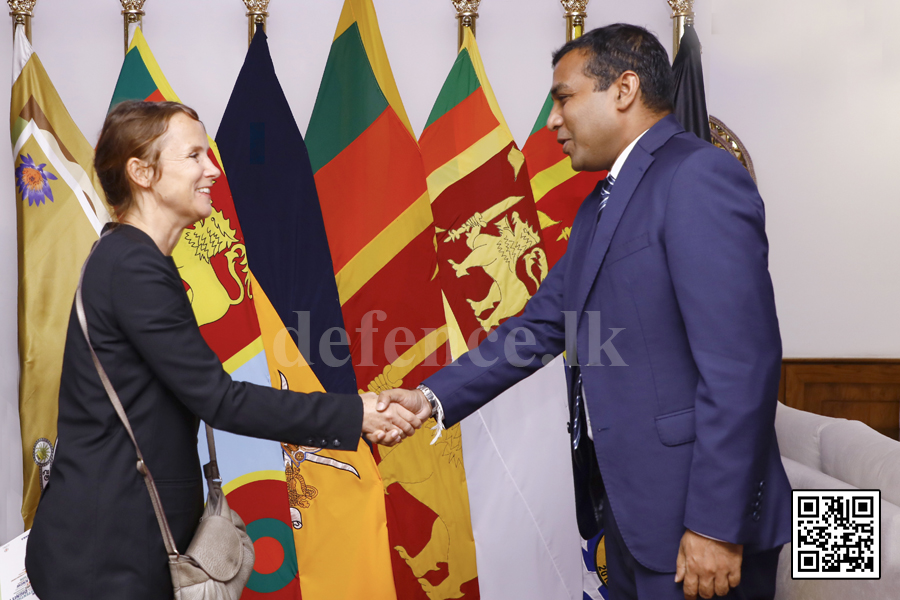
x=620, y=161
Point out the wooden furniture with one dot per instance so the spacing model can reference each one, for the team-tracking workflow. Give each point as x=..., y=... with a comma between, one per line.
x=867, y=390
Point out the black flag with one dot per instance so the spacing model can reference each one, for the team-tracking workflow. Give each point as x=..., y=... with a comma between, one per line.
x=276, y=201
x=690, y=95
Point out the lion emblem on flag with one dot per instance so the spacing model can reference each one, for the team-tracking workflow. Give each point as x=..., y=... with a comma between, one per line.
x=498, y=255
x=193, y=255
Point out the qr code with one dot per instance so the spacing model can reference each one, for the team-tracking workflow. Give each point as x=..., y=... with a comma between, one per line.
x=836, y=534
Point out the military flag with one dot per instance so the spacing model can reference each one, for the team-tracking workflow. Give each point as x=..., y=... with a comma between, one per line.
x=558, y=189
x=60, y=210
x=375, y=205
x=212, y=260
x=491, y=261
x=690, y=94
x=336, y=498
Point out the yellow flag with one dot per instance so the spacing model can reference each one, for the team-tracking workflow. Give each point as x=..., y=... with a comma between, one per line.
x=60, y=210
x=337, y=498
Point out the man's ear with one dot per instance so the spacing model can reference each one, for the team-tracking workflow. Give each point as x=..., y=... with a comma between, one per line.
x=628, y=86
x=139, y=172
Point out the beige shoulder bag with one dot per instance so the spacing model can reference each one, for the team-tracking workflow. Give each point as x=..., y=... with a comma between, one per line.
x=220, y=557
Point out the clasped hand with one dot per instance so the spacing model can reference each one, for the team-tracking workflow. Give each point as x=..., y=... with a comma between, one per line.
x=393, y=415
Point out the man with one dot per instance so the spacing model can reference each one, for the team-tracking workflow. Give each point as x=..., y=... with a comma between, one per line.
x=671, y=251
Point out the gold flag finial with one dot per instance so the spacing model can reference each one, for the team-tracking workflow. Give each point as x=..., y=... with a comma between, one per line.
x=682, y=16
x=21, y=12
x=257, y=11
x=466, y=13
x=133, y=11
x=575, y=15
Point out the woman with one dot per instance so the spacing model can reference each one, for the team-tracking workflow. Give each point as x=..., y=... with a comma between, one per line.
x=95, y=534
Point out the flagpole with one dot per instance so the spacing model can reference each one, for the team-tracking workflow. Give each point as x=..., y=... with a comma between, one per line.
x=257, y=12
x=575, y=16
x=21, y=12
x=682, y=16
x=133, y=11
x=466, y=13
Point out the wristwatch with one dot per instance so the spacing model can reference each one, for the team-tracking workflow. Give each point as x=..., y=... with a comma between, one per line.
x=432, y=399
x=437, y=411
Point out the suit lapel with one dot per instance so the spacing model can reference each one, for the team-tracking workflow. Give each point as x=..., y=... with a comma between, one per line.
x=630, y=176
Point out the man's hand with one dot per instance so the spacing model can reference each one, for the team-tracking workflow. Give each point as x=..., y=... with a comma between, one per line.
x=412, y=400
x=707, y=566
x=387, y=426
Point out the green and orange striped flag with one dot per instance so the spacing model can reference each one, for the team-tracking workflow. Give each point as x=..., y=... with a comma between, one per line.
x=492, y=261
x=375, y=205
x=212, y=261
x=558, y=189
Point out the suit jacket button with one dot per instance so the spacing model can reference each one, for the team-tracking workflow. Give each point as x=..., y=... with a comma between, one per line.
x=324, y=444
x=756, y=515
x=759, y=494
x=309, y=442
x=762, y=484
x=336, y=443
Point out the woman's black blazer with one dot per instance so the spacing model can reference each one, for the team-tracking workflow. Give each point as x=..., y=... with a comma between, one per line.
x=95, y=534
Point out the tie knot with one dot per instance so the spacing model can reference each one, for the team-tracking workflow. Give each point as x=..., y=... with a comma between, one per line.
x=609, y=181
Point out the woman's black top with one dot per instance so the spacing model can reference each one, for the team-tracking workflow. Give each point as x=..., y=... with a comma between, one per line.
x=95, y=534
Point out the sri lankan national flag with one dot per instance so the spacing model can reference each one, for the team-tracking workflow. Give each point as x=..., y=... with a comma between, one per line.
x=375, y=204
x=60, y=209
x=482, y=202
x=212, y=261
x=337, y=499
x=558, y=189
x=491, y=262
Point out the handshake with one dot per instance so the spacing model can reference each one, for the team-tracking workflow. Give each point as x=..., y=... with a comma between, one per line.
x=393, y=415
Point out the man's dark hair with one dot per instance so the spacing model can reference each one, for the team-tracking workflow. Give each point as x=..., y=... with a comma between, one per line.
x=614, y=49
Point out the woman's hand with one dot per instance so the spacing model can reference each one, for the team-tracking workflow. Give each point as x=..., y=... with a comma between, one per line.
x=389, y=427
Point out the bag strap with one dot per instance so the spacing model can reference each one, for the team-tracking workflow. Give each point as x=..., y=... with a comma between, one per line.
x=211, y=470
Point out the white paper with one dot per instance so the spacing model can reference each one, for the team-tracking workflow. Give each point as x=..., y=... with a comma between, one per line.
x=14, y=584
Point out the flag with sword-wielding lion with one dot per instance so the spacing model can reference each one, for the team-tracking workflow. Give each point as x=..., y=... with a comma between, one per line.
x=492, y=260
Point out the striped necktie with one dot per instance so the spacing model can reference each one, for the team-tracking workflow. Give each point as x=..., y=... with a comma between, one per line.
x=577, y=407
x=605, y=190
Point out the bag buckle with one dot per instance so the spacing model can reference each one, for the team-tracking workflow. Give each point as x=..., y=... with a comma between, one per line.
x=211, y=471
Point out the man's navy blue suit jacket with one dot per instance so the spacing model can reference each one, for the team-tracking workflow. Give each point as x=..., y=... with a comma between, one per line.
x=684, y=434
